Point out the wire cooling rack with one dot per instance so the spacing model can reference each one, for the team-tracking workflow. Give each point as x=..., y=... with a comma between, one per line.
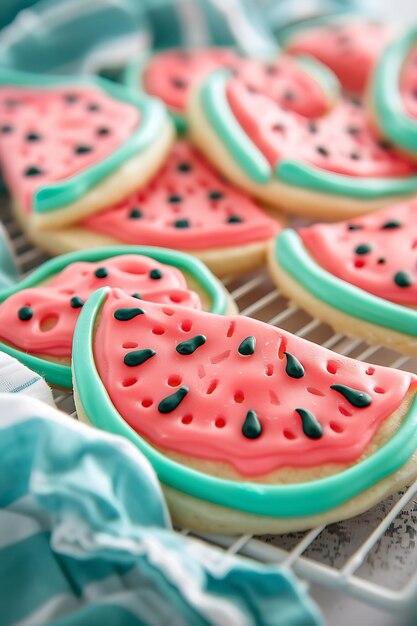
x=372, y=557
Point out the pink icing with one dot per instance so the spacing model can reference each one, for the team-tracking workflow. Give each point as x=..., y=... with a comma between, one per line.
x=350, y=50
x=50, y=330
x=223, y=385
x=408, y=83
x=207, y=218
x=392, y=250
x=341, y=141
x=171, y=76
x=60, y=127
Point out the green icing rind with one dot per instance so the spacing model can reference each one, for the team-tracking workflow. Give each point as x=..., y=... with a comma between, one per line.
x=293, y=257
x=60, y=375
x=243, y=150
x=291, y=172
x=133, y=78
x=279, y=500
x=153, y=116
x=327, y=80
x=393, y=119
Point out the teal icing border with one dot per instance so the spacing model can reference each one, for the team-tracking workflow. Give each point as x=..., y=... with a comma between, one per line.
x=392, y=117
x=293, y=257
x=343, y=16
x=60, y=375
x=294, y=173
x=57, y=195
x=133, y=79
x=298, y=499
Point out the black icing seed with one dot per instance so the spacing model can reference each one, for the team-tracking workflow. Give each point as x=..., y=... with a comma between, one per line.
x=25, y=313
x=384, y=144
x=355, y=156
x=234, y=219
x=288, y=96
x=174, y=198
x=184, y=167
x=182, y=224
x=247, y=347
x=11, y=103
x=171, y=402
x=322, y=150
x=135, y=214
x=252, y=427
x=363, y=248
x=101, y=272
x=403, y=279
x=70, y=98
x=311, y=426
x=391, y=224
x=76, y=302
x=357, y=398
x=381, y=261
x=82, y=149
x=356, y=102
x=312, y=127
x=215, y=195
x=127, y=314
x=137, y=357
x=103, y=131
x=137, y=296
x=33, y=137
x=93, y=107
x=353, y=130
x=190, y=346
x=354, y=227
x=294, y=369
x=33, y=171
x=179, y=83
x=155, y=274
x=7, y=128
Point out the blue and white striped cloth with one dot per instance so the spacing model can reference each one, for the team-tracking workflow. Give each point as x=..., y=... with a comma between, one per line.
x=86, y=36
x=85, y=539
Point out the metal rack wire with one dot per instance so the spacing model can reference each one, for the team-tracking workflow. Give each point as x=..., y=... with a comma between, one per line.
x=372, y=557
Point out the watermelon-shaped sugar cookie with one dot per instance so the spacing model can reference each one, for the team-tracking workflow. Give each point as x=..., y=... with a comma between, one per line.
x=186, y=206
x=69, y=146
x=172, y=74
x=349, y=45
x=330, y=167
x=392, y=100
x=38, y=314
x=360, y=276
x=249, y=428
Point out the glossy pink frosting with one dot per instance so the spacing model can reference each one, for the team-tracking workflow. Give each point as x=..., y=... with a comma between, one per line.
x=393, y=249
x=224, y=385
x=51, y=305
x=60, y=122
x=408, y=83
x=171, y=75
x=190, y=181
x=341, y=141
x=350, y=50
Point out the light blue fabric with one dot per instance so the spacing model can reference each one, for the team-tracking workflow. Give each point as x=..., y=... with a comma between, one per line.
x=84, y=36
x=8, y=268
x=85, y=539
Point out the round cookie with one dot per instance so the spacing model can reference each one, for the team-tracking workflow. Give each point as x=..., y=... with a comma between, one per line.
x=172, y=74
x=186, y=206
x=69, y=146
x=347, y=44
x=39, y=313
x=392, y=97
x=250, y=429
x=330, y=167
x=359, y=276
